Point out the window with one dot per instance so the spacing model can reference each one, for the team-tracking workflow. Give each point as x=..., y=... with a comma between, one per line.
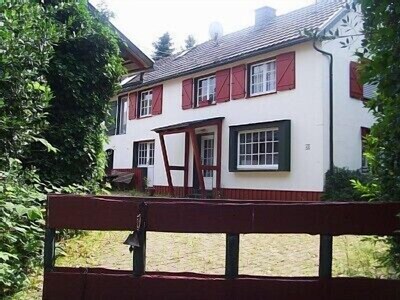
x=145, y=103
x=205, y=90
x=119, y=116
x=260, y=147
x=145, y=154
x=263, y=78
x=122, y=115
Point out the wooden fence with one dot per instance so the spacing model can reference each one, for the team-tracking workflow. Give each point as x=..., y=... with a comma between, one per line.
x=213, y=216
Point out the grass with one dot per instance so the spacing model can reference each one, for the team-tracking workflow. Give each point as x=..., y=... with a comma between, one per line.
x=280, y=255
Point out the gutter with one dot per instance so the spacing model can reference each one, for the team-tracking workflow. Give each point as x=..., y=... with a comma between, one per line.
x=330, y=56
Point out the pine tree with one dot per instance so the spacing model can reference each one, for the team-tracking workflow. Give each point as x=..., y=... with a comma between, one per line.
x=190, y=42
x=163, y=47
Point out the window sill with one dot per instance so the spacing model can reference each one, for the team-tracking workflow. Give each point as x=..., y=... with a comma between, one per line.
x=262, y=94
x=206, y=104
x=258, y=171
x=145, y=117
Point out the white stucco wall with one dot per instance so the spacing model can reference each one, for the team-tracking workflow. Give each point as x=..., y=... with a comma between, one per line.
x=349, y=113
x=303, y=106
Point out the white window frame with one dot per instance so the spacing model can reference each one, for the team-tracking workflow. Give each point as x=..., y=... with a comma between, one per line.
x=259, y=166
x=145, y=104
x=122, y=115
x=265, y=71
x=147, y=150
x=209, y=92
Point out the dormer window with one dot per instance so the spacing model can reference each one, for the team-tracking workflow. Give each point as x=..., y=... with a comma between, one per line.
x=205, y=94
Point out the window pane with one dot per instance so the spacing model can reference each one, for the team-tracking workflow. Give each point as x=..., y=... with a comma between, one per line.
x=255, y=151
x=242, y=149
x=112, y=121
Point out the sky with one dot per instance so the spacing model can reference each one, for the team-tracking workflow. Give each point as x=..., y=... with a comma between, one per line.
x=143, y=21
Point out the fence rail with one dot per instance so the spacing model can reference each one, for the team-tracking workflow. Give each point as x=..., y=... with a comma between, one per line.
x=213, y=216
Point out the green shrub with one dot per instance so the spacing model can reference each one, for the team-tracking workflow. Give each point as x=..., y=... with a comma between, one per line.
x=21, y=223
x=339, y=185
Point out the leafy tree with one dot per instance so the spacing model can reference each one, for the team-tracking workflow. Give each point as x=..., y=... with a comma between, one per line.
x=190, y=42
x=163, y=47
x=380, y=65
x=379, y=57
x=26, y=47
x=83, y=75
x=27, y=37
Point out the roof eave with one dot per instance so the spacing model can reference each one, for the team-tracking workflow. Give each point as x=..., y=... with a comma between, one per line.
x=130, y=87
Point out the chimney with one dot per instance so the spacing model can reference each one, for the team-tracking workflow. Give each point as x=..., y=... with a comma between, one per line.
x=264, y=15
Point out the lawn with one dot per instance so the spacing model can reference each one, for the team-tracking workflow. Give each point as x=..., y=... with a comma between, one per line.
x=280, y=255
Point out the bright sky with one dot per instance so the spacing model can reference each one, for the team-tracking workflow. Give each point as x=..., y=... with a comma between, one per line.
x=143, y=21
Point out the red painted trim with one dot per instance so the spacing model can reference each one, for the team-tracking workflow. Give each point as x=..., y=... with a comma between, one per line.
x=219, y=159
x=197, y=160
x=71, y=284
x=250, y=194
x=166, y=164
x=186, y=165
x=189, y=215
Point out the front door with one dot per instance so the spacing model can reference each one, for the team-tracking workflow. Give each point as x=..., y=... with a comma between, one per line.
x=207, y=159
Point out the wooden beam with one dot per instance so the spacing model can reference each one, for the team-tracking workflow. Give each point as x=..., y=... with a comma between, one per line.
x=197, y=160
x=166, y=164
x=219, y=151
x=325, y=256
x=139, y=255
x=209, y=168
x=186, y=165
x=232, y=256
x=177, y=168
x=49, y=249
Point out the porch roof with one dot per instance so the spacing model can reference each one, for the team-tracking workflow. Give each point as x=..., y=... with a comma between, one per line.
x=181, y=127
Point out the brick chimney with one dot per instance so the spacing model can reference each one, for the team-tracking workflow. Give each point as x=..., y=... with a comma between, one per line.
x=264, y=15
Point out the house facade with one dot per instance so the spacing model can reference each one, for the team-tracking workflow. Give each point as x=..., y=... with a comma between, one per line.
x=245, y=116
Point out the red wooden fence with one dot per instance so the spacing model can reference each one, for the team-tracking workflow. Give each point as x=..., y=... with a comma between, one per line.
x=214, y=216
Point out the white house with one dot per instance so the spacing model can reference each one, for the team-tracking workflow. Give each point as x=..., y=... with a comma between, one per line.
x=247, y=115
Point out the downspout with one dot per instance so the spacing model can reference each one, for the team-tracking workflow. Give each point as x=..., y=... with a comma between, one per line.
x=326, y=241
x=331, y=163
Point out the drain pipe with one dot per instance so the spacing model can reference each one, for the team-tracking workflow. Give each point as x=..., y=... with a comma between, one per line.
x=326, y=241
x=331, y=164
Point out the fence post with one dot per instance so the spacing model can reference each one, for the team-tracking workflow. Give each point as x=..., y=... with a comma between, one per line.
x=232, y=256
x=139, y=255
x=49, y=248
x=325, y=256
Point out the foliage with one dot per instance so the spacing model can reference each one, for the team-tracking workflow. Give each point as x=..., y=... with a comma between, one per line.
x=163, y=47
x=27, y=38
x=190, y=42
x=59, y=67
x=21, y=220
x=380, y=66
x=83, y=75
x=339, y=185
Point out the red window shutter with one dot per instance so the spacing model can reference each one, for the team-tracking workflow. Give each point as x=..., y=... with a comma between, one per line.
x=286, y=71
x=356, y=88
x=157, y=100
x=187, y=93
x=222, y=85
x=132, y=105
x=238, y=82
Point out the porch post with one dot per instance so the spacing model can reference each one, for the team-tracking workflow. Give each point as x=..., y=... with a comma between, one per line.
x=186, y=166
x=166, y=164
x=219, y=151
x=197, y=160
